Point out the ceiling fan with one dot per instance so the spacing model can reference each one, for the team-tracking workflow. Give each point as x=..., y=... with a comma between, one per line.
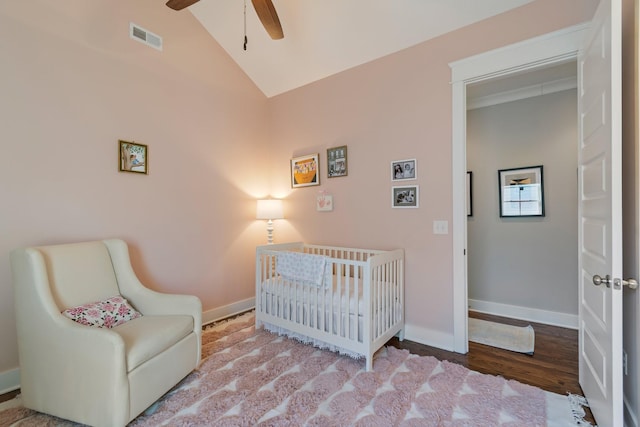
x=264, y=9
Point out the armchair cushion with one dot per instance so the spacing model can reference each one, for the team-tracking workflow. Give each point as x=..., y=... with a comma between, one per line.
x=148, y=336
x=108, y=313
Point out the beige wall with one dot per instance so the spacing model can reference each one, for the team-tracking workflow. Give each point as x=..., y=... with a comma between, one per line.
x=72, y=84
x=395, y=108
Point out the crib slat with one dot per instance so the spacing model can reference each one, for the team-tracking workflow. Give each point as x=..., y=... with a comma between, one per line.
x=339, y=309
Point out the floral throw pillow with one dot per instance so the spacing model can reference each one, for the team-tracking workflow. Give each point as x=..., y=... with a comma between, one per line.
x=109, y=313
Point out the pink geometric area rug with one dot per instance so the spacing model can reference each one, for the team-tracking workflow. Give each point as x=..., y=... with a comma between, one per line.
x=255, y=378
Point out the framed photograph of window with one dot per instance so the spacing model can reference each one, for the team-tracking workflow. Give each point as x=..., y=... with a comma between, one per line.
x=133, y=157
x=521, y=192
x=405, y=197
x=404, y=169
x=304, y=171
x=337, y=161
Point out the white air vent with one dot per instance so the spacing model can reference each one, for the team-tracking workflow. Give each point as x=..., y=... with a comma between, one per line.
x=138, y=33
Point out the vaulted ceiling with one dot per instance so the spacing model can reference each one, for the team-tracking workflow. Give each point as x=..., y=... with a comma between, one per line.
x=324, y=37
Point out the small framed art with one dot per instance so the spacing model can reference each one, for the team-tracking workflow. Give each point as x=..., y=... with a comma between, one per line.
x=133, y=157
x=337, y=161
x=324, y=202
x=304, y=171
x=521, y=192
x=405, y=197
x=404, y=169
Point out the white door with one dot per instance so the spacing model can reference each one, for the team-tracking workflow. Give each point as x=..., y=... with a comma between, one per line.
x=600, y=215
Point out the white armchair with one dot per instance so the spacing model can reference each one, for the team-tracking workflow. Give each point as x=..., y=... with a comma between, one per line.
x=96, y=375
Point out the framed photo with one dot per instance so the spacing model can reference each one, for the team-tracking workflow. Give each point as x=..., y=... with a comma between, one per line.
x=304, y=171
x=521, y=192
x=469, y=193
x=133, y=157
x=337, y=161
x=405, y=197
x=404, y=169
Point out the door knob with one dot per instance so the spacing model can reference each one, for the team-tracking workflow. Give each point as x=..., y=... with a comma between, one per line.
x=631, y=283
x=597, y=280
x=617, y=283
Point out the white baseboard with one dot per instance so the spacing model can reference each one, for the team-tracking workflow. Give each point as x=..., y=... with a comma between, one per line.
x=428, y=337
x=9, y=380
x=223, y=312
x=536, y=315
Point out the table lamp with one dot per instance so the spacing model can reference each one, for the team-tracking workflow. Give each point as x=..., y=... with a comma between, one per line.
x=269, y=209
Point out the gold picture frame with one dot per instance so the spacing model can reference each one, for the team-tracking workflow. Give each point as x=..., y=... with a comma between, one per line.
x=133, y=157
x=305, y=171
x=337, y=161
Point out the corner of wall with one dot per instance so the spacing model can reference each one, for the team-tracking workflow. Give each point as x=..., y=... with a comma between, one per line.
x=220, y=313
x=429, y=337
x=9, y=380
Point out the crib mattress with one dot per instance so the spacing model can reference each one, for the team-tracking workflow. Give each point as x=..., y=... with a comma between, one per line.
x=294, y=303
x=280, y=288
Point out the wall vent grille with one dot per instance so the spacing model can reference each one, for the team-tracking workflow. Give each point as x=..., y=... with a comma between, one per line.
x=138, y=33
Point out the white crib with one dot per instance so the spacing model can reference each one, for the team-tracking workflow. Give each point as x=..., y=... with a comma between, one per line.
x=356, y=313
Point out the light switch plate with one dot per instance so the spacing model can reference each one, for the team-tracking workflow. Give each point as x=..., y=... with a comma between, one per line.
x=440, y=227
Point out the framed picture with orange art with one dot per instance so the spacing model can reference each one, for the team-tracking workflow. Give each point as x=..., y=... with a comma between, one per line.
x=305, y=171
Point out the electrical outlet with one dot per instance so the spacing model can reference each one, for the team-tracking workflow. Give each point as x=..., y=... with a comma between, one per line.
x=624, y=362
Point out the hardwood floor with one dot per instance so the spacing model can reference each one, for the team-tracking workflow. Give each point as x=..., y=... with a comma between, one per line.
x=553, y=366
x=9, y=396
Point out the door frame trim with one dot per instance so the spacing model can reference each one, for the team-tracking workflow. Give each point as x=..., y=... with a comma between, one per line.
x=549, y=49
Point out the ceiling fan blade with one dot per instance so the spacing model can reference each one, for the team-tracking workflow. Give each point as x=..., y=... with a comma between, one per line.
x=180, y=4
x=269, y=18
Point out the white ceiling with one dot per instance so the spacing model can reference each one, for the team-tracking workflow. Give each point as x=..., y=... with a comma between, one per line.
x=324, y=37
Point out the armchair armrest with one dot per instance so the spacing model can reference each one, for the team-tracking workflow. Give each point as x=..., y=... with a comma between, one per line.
x=51, y=380
x=148, y=301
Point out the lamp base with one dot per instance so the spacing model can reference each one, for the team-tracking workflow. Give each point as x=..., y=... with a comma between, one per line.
x=270, y=232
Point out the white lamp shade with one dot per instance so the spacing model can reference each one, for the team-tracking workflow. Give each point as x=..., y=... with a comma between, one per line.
x=269, y=209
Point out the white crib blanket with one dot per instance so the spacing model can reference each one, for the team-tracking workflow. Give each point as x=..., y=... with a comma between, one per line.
x=306, y=268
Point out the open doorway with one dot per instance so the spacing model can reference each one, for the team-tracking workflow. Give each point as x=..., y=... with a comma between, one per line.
x=545, y=51
x=523, y=264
